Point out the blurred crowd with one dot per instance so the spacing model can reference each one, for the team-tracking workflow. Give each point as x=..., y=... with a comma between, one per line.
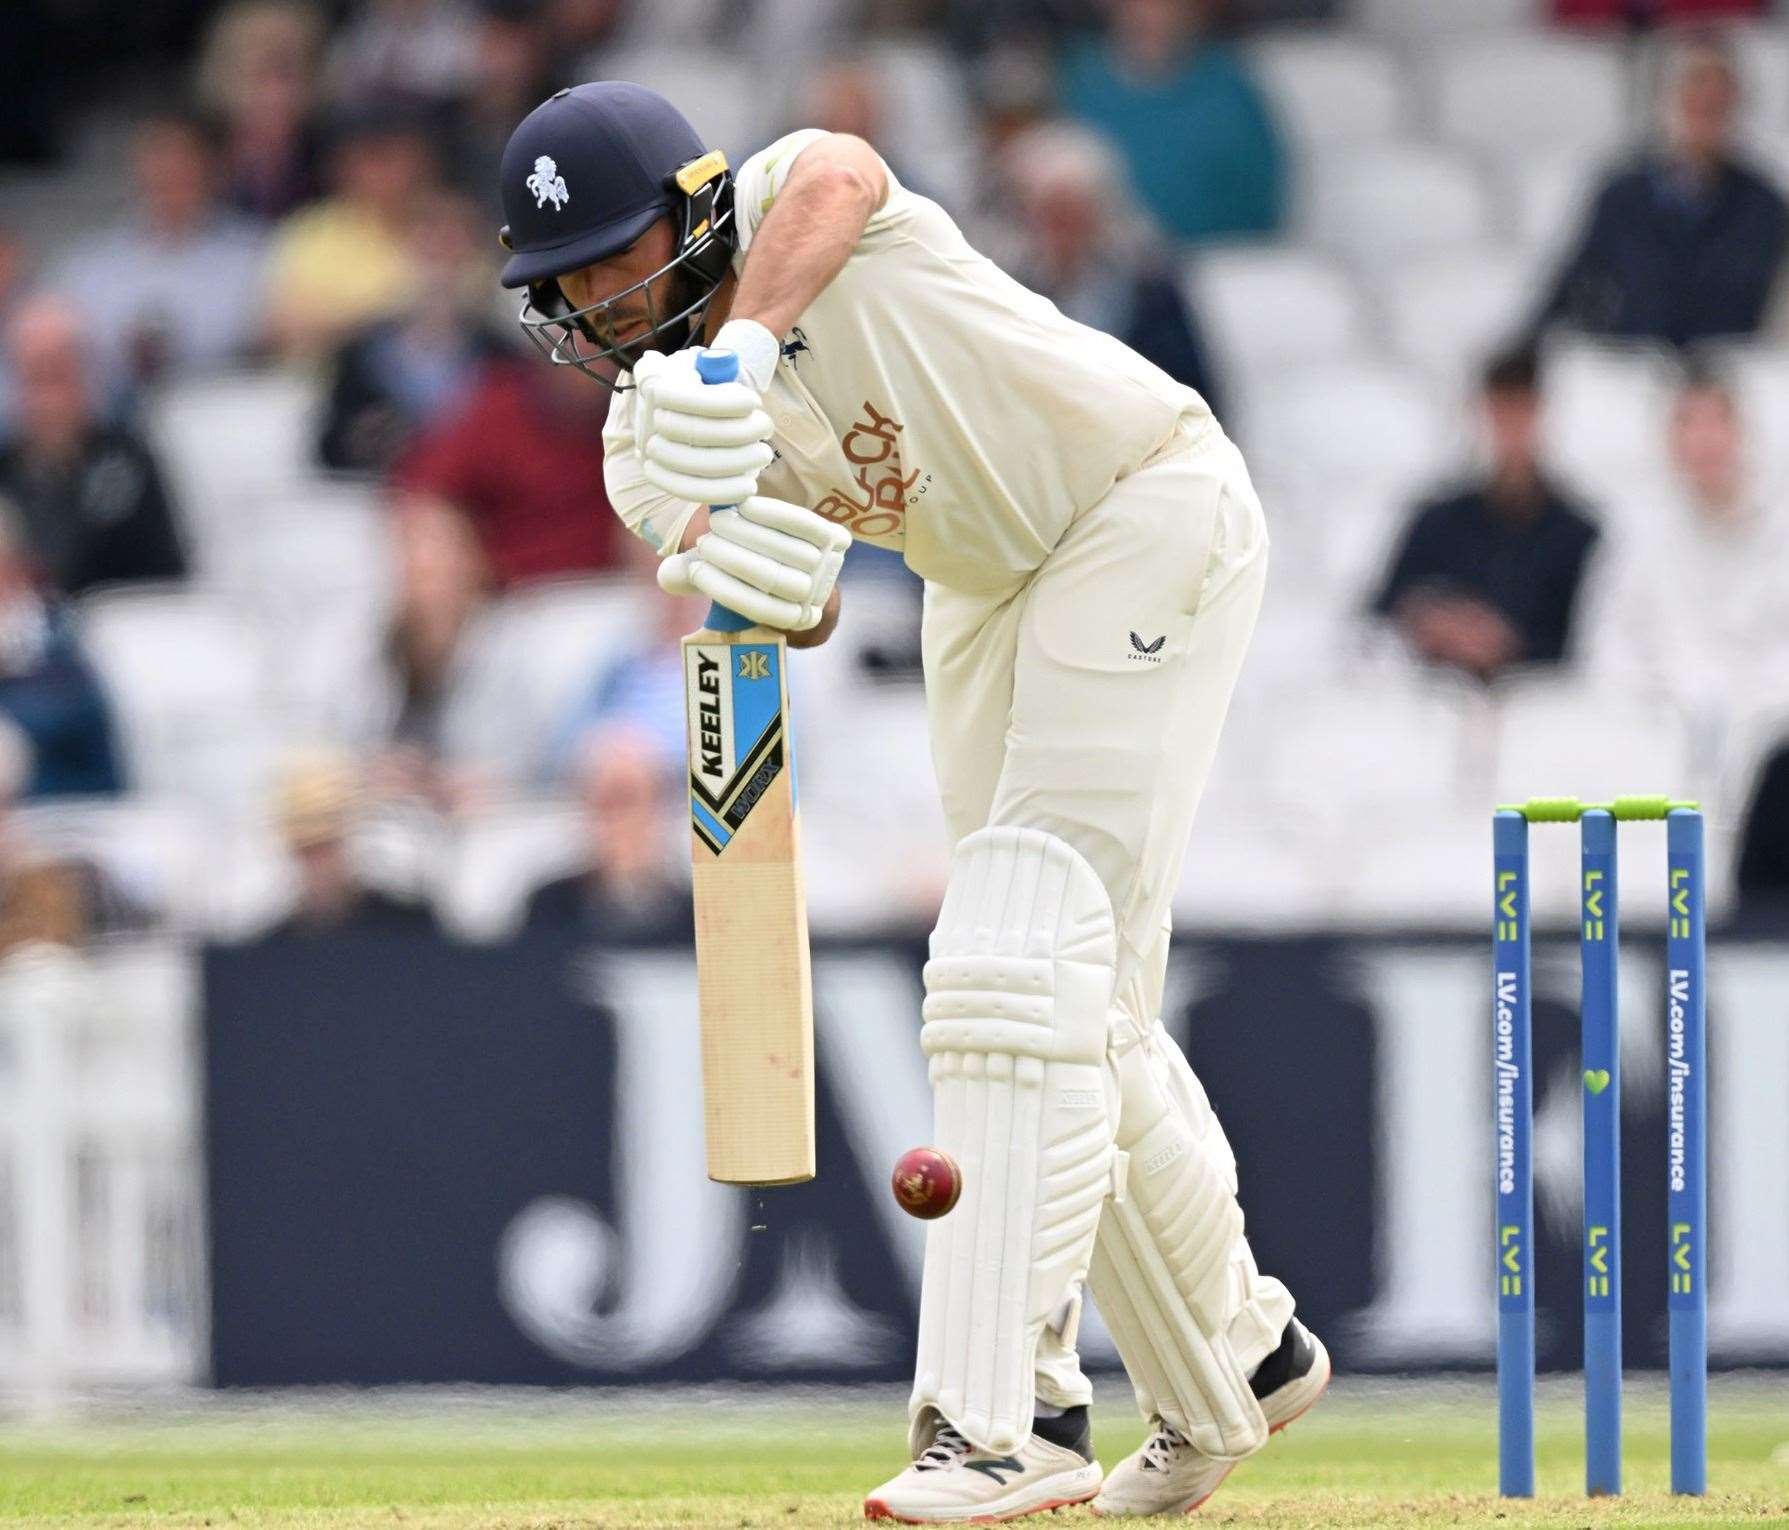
x=309, y=190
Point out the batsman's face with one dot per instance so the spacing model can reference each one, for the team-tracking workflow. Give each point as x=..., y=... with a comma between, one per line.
x=634, y=283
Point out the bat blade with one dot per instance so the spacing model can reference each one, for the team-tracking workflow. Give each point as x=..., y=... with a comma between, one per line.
x=753, y=977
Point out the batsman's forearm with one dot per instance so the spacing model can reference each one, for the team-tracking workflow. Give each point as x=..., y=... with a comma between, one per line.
x=803, y=244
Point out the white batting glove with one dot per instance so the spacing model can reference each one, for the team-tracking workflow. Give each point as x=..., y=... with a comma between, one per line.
x=772, y=562
x=702, y=441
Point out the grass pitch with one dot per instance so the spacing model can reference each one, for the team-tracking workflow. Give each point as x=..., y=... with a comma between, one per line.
x=1372, y=1454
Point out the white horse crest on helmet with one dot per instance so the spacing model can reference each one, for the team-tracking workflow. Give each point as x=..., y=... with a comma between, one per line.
x=547, y=184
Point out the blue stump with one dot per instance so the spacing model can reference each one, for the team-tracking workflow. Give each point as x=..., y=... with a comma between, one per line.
x=1513, y=1113
x=1686, y=1183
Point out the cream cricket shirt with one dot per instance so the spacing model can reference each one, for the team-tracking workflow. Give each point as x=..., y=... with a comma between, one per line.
x=931, y=404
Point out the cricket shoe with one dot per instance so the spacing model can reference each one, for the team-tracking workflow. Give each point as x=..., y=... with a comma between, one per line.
x=1165, y=1475
x=955, y=1483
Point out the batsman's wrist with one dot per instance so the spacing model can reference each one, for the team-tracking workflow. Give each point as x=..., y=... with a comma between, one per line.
x=755, y=346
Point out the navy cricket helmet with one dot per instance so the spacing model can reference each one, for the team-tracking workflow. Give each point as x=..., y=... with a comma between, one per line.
x=585, y=174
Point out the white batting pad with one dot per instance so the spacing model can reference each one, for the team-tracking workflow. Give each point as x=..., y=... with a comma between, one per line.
x=1171, y=1270
x=1017, y=991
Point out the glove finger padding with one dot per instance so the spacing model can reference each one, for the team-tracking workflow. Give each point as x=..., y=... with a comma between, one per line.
x=674, y=573
x=670, y=424
x=797, y=521
x=702, y=491
x=772, y=562
x=680, y=392
x=756, y=570
x=742, y=529
x=757, y=607
x=708, y=461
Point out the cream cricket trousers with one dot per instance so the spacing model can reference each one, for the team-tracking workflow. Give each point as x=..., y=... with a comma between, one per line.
x=1088, y=704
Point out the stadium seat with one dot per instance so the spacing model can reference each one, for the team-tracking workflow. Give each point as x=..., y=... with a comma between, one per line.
x=1331, y=87
x=1242, y=877
x=228, y=440
x=497, y=859
x=324, y=543
x=1367, y=750
x=526, y=660
x=1246, y=868
x=1403, y=19
x=1603, y=407
x=1507, y=96
x=1559, y=737
x=873, y=833
x=1375, y=202
x=187, y=674
x=1761, y=50
x=1297, y=634
x=1547, y=194
x=1410, y=873
x=1348, y=425
x=1267, y=307
x=1760, y=378
x=315, y=564
x=1360, y=530
x=1448, y=311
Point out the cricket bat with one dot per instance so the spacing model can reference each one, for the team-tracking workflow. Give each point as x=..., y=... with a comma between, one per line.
x=755, y=990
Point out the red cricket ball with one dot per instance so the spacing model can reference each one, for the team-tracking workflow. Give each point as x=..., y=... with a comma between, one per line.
x=927, y=1182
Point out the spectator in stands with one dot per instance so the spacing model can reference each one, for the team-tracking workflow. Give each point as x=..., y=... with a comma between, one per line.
x=1086, y=248
x=513, y=64
x=581, y=27
x=401, y=375
x=51, y=895
x=344, y=261
x=987, y=26
x=442, y=579
x=1687, y=243
x=1692, y=601
x=403, y=50
x=319, y=806
x=633, y=888
x=1202, y=147
x=13, y=266
x=639, y=687
x=1763, y=876
x=846, y=95
x=49, y=696
x=89, y=494
x=258, y=75
x=1641, y=13
x=521, y=458
x=40, y=901
x=1488, y=577
x=30, y=133
x=175, y=288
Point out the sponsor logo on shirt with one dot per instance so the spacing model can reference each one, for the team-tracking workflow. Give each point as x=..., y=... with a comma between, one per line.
x=1146, y=653
x=878, y=508
x=797, y=343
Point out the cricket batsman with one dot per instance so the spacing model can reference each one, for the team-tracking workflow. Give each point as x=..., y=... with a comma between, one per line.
x=1093, y=556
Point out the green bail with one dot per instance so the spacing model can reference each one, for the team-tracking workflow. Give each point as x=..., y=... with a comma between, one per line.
x=1631, y=809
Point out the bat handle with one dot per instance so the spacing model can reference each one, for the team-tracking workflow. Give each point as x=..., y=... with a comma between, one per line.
x=720, y=367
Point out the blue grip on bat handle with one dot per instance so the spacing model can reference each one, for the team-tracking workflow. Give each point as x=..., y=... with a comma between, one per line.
x=720, y=367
